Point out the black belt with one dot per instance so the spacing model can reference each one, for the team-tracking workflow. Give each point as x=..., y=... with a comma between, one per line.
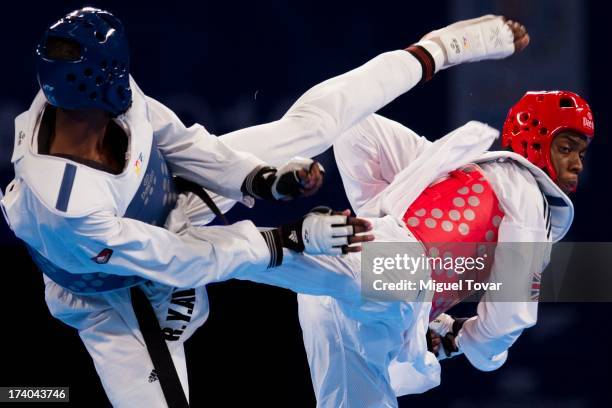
x=158, y=350
x=184, y=186
x=149, y=326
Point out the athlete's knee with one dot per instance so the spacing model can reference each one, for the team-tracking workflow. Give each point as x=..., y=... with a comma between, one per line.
x=307, y=117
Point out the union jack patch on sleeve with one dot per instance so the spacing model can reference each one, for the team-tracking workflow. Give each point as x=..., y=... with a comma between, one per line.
x=535, y=286
x=103, y=257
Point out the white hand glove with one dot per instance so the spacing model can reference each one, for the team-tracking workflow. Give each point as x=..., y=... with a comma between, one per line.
x=320, y=232
x=447, y=328
x=325, y=234
x=442, y=324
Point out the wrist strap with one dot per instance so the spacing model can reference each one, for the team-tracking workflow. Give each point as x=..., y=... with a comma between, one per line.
x=274, y=241
x=258, y=183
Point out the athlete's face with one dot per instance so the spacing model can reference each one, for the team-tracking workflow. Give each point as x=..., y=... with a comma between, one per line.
x=567, y=156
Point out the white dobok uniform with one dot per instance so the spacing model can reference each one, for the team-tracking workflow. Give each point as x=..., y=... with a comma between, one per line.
x=366, y=354
x=368, y=362
x=95, y=234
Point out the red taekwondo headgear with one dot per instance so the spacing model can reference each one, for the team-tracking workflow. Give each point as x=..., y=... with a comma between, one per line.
x=538, y=117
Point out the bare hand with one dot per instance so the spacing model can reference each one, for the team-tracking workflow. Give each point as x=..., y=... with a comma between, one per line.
x=434, y=342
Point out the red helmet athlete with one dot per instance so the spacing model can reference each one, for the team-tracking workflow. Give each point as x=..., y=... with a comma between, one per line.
x=538, y=117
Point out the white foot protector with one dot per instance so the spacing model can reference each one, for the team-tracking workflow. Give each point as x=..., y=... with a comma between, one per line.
x=482, y=38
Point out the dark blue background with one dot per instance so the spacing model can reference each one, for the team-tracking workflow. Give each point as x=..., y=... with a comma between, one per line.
x=229, y=65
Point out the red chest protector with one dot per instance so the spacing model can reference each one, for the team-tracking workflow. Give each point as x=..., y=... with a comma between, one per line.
x=457, y=216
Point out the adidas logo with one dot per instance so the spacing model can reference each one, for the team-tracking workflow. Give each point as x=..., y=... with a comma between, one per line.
x=293, y=237
x=153, y=376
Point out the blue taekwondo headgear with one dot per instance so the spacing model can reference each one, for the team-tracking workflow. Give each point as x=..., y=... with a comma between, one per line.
x=91, y=69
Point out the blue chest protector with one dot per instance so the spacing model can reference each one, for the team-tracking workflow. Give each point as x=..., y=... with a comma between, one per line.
x=155, y=198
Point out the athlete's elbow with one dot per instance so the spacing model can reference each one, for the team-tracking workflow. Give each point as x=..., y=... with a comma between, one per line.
x=509, y=329
x=523, y=320
x=493, y=363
